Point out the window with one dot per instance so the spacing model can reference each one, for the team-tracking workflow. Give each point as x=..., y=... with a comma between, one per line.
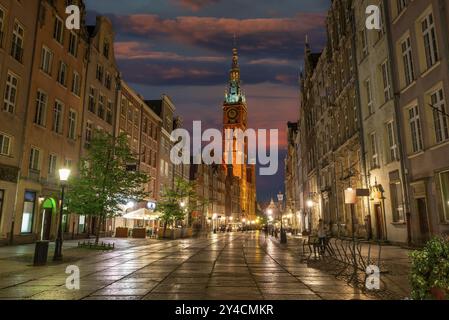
x=5, y=145
x=101, y=106
x=145, y=126
x=72, y=125
x=364, y=39
x=41, y=108
x=34, y=159
x=2, y=23
x=92, y=102
x=2, y=196
x=386, y=81
x=57, y=117
x=374, y=154
x=106, y=48
x=82, y=224
x=369, y=97
x=108, y=81
x=11, y=93
x=58, y=33
x=444, y=184
x=415, y=129
x=397, y=202
x=76, y=84
x=392, y=144
x=144, y=154
x=130, y=113
x=17, y=42
x=430, y=40
x=123, y=108
x=402, y=4
x=46, y=60
x=62, y=74
x=100, y=73
x=440, y=116
x=407, y=60
x=68, y=163
x=89, y=130
x=73, y=44
x=109, y=113
x=52, y=164
x=28, y=212
x=136, y=118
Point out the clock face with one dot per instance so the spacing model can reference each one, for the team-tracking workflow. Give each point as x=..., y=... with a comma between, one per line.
x=232, y=114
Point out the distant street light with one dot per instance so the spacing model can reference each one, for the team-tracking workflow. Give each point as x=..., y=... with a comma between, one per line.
x=283, y=233
x=64, y=175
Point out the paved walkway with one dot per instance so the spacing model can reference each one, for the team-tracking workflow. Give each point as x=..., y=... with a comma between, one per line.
x=222, y=266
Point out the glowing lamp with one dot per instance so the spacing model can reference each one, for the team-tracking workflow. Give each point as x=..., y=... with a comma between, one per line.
x=350, y=196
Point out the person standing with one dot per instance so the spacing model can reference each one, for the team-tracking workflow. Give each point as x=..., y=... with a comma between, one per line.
x=321, y=232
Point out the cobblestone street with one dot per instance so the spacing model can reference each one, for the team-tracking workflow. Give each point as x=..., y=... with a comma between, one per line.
x=219, y=267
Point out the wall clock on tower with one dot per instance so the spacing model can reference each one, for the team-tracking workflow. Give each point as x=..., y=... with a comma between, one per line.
x=232, y=115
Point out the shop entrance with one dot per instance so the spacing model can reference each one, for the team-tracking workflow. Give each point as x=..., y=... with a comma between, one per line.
x=48, y=210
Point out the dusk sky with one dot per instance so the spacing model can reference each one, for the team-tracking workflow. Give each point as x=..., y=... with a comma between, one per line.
x=183, y=48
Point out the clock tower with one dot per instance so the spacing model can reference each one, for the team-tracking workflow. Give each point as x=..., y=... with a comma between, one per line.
x=235, y=116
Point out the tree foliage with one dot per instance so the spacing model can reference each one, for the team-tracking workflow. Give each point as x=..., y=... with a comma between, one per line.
x=104, y=183
x=178, y=201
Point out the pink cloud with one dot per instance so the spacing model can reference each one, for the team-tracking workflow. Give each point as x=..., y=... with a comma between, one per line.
x=195, y=5
x=200, y=29
x=138, y=50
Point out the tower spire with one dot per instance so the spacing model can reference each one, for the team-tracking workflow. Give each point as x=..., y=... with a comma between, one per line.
x=234, y=93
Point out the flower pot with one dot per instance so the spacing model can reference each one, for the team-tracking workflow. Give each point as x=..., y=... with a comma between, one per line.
x=438, y=293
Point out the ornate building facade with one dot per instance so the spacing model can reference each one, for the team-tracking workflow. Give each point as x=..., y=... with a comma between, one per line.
x=332, y=150
x=235, y=117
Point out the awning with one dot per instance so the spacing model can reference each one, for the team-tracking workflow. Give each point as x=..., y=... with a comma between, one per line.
x=141, y=214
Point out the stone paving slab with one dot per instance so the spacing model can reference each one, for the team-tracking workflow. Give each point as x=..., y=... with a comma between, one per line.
x=239, y=266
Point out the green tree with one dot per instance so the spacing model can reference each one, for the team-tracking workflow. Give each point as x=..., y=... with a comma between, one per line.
x=177, y=202
x=105, y=183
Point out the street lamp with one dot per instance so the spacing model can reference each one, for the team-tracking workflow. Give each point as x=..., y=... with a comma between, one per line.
x=64, y=175
x=351, y=199
x=283, y=234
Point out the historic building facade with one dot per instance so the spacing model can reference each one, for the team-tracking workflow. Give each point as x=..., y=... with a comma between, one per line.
x=386, y=206
x=374, y=116
x=235, y=117
x=53, y=123
x=210, y=183
x=59, y=86
x=292, y=186
x=142, y=126
x=420, y=52
x=17, y=37
x=330, y=125
x=165, y=110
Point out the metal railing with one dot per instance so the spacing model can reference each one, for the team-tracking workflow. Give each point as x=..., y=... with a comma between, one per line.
x=338, y=258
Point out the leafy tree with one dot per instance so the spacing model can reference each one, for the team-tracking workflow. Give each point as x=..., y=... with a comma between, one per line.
x=105, y=182
x=177, y=202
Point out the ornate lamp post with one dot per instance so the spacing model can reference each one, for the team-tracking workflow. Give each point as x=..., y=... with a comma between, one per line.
x=351, y=199
x=64, y=175
x=283, y=233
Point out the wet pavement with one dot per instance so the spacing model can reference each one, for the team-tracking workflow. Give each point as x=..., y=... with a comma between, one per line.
x=233, y=266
